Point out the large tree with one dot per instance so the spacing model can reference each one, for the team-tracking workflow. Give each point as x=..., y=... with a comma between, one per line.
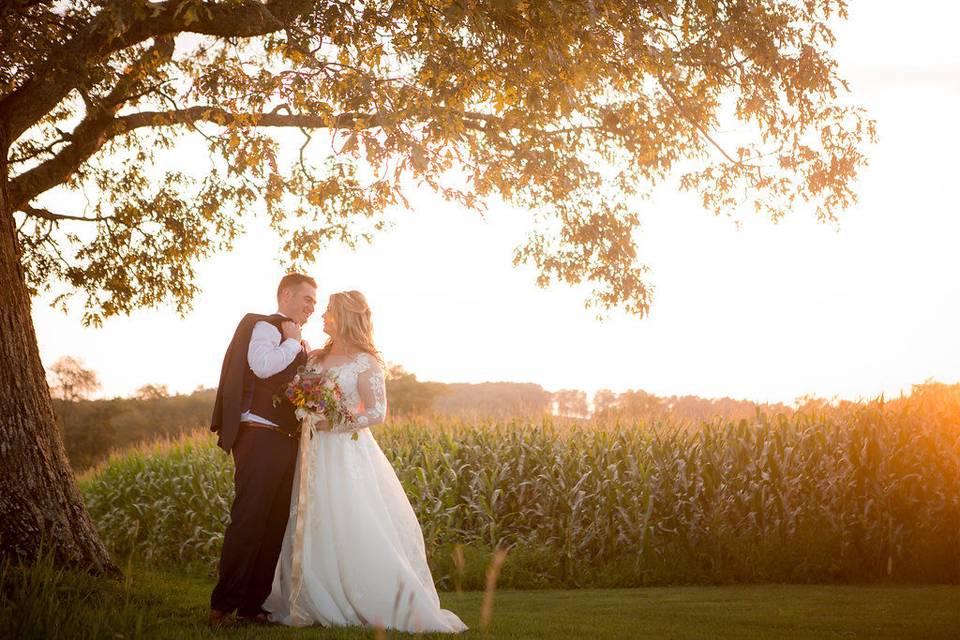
x=321, y=114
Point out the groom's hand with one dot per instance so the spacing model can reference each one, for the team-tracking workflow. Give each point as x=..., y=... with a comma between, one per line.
x=290, y=329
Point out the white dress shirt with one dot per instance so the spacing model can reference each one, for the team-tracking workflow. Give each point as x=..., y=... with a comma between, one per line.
x=268, y=355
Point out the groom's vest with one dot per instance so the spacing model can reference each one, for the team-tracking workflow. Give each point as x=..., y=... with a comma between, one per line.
x=265, y=396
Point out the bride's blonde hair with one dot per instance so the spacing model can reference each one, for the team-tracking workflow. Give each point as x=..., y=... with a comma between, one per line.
x=351, y=317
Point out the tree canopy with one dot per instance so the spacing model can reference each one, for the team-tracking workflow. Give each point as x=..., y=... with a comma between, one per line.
x=571, y=110
x=323, y=115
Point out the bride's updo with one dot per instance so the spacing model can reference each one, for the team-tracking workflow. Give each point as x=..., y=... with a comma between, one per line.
x=351, y=317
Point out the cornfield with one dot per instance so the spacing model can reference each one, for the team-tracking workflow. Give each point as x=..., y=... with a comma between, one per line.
x=872, y=494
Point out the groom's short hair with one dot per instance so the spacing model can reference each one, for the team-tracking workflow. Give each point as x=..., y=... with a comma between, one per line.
x=294, y=280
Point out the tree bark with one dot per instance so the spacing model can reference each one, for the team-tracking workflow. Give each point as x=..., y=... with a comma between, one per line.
x=40, y=505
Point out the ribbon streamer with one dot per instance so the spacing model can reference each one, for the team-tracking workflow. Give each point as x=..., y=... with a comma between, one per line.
x=298, y=619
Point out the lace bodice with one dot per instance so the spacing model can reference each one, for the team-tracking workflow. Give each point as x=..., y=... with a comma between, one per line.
x=364, y=390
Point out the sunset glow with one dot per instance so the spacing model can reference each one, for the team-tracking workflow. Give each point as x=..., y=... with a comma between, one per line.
x=766, y=312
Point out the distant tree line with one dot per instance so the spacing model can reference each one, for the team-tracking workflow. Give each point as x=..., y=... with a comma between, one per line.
x=93, y=428
x=640, y=405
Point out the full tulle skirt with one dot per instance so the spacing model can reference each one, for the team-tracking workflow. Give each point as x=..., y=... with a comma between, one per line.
x=363, y=560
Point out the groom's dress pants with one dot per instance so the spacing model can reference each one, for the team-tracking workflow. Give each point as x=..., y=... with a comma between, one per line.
x=264, y=465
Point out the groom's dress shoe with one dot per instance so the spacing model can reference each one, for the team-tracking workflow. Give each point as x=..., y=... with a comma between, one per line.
x=261, y=618
x=220, y=619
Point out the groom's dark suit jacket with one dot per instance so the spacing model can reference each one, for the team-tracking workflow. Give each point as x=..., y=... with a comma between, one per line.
x=264, y=472
x=240, y=390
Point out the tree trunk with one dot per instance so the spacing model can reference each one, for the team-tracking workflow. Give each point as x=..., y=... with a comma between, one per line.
x=40, y=504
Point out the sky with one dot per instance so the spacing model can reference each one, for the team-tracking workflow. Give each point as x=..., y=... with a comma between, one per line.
x=767, y=312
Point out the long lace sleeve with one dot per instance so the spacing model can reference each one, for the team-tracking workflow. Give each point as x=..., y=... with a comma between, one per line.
x=372, y=389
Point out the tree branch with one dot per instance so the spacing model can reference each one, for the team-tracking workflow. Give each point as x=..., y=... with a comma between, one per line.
x=155, y=56
x=46, y=214
x=63, y=139
x=90, y=135
x=699, y=127
x=88, y=138
x=218, y=115
x=124, y=24
x=92, y=132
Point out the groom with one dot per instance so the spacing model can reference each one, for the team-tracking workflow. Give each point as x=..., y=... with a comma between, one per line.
x=262, y=436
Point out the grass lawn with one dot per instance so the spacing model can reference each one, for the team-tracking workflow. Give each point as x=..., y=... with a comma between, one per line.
x=167, y=605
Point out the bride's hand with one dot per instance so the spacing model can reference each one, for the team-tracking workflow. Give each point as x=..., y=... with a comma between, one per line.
x=321, y=424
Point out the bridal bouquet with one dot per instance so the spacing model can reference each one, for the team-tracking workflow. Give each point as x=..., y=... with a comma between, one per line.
x=318, y=394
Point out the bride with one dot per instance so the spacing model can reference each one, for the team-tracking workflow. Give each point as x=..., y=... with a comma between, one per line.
x=353, y=552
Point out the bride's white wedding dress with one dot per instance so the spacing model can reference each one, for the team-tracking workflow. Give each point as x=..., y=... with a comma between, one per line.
x=353, y=552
